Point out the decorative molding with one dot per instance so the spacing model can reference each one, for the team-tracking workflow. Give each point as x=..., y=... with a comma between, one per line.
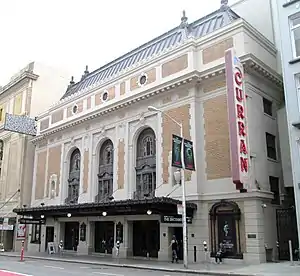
x=192, y=76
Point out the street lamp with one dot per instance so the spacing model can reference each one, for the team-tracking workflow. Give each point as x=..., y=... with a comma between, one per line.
x=178, y=174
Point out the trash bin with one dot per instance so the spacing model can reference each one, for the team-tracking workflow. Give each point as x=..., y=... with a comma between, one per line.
x=269, y=255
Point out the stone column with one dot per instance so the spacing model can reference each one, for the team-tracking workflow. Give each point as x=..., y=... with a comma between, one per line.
x=254, y=224
x=164, y=253
x=126, y=247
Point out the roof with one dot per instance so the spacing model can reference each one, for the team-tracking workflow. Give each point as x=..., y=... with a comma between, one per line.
x=197, y=29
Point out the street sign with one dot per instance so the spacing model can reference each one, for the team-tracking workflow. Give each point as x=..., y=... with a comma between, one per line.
x=31, y=221
x=176, y=151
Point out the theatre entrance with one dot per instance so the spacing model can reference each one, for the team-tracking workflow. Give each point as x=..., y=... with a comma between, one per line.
x=104, y=237
x=146, y=238
x=178, y=232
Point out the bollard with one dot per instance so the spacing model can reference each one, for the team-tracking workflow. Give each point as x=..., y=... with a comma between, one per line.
x=195, y=254
x=278, y=253
x=291, y=252
x=22, y=252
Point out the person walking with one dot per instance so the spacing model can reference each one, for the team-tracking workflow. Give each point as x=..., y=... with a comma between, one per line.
x=219, y=254
x=174, y=245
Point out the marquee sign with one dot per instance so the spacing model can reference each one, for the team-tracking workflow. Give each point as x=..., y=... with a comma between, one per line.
x=236, y=100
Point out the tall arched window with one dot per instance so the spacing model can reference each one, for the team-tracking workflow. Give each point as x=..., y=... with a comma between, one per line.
x=74, y=177
x=106, y=171
x=146, y=164
x=225, y=217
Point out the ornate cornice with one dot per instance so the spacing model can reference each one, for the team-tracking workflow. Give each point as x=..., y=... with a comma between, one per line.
x=188, y=78
x=251, y=64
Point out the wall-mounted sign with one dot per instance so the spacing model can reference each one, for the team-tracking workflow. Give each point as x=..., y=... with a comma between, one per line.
x=188, y=155
x=21, y=231
x=176, y=151
x=83, y=232
x=31, y=221
x=20, y=124
x=236, y=100
x=175, y=219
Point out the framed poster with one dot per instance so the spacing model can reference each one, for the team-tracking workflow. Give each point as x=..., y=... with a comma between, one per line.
x=21, y=231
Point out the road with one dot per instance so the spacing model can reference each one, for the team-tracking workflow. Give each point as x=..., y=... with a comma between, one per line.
x=47, y=268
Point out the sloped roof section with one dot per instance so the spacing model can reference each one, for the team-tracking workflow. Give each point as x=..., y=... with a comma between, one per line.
x=197, y=29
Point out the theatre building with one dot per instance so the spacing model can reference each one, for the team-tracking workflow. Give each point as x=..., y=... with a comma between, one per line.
x=103, y=159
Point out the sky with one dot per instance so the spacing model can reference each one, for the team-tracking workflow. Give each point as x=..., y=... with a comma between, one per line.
x=70, y=34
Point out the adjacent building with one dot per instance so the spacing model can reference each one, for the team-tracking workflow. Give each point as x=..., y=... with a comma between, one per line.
x=102, y=166
x=288, y=23
x=29, y=92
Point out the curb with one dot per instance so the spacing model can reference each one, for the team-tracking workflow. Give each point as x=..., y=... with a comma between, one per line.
x=174, y=270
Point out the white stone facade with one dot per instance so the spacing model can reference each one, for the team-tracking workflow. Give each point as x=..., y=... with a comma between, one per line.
x=126, y=115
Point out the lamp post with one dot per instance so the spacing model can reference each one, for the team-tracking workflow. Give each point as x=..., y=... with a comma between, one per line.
x=179, y=174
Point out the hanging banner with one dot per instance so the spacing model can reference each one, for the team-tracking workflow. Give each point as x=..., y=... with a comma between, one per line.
x=176, y=151
x=188, y=155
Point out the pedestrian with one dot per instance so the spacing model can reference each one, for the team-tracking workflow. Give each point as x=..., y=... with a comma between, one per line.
x=174, y=246
x=219, y=254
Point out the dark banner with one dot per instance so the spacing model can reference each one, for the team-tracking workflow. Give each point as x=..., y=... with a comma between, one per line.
x=188, y=155
x=176, y=151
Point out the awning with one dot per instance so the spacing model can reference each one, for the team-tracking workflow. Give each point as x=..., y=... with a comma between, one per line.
x=158, y=205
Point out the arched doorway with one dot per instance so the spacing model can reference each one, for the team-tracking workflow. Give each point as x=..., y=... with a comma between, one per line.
x=225, y=217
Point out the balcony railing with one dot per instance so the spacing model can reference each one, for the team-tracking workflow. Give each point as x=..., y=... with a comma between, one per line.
x=71, y=200
x=143, y=194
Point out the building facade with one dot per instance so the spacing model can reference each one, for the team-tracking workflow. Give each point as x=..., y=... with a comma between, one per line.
x=102, y=169
x=289, y=25
x=28, y=92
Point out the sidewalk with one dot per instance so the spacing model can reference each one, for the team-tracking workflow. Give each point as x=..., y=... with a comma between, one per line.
x=267, y=269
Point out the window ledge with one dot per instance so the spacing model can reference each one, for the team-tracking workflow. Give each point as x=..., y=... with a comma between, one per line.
x=273, y=160
x=295, y=60
x=290, y=3
x=269, y=116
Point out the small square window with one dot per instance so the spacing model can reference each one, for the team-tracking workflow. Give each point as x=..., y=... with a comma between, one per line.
x=274, y=188
x=267, y=107
x=271, y=146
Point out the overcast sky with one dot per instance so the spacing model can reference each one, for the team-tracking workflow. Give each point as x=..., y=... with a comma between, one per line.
x=73, y=33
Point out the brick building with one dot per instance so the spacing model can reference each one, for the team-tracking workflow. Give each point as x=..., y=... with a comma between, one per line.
x=103, y=161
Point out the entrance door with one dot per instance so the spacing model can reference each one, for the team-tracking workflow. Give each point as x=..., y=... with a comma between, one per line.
x=71, y=235
x=178, y=232
x=146, y=238
x=104, y=236
x=49, y=236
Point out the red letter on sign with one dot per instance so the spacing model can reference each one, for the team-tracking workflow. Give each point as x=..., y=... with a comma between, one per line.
x=238, y=77
x=243, y=148
x=244, y=164
x=239, y=94
x=241, y=129
x=240, y=111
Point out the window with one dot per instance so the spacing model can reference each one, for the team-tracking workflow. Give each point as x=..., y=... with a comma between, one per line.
x=143, y=78
x=148, y=146
x=1, y=114
x=295, y=35
x=104, y=96
x=271, y=146
x=75, y=109
x=267, y=107
x=274, y=188
x=35, y=233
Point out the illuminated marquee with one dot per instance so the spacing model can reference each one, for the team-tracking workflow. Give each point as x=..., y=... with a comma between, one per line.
x=236, y=99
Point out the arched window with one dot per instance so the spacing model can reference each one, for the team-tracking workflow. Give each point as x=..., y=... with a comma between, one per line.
x=74, y=177
x=225, y=219
x=105, y=172
x=146, y=164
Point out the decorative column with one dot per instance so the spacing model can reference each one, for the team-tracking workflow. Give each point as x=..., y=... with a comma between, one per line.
x=164, y=253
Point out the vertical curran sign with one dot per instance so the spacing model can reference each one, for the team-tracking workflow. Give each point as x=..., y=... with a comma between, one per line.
x=236, y=99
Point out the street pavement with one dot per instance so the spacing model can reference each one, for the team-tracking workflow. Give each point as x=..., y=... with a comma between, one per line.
x=9, y=265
